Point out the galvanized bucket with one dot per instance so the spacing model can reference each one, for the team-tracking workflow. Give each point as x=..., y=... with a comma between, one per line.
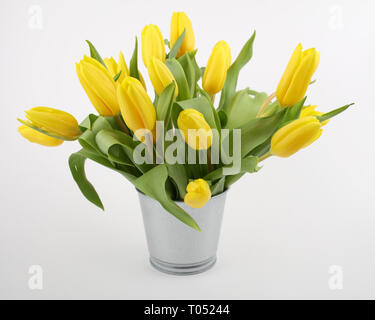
x=176, y=248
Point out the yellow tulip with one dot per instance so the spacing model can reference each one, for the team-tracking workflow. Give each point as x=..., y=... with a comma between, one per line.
x=198, y=193
x=53, y=122
x=114, y=68
x=310, y=111
x=152, y=44
x=192, y=123
x=136, y=107
x=294, y=136
x=179, y=23
x=99, y=85
x=216, y=69
x=297, y=76
x=39, y=138
x=160, y=76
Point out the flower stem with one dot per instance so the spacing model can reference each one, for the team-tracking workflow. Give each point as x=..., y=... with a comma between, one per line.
x=121, y=125
x=265, y=104
x=265, y=156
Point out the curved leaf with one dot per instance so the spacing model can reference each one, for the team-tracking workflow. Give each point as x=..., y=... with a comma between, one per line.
x=152, y=183
x=233, y=72
x=179, y=74
x=95, y=54
x=173, y=53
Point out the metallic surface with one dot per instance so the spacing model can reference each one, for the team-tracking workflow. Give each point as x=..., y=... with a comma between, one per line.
x=176, y=248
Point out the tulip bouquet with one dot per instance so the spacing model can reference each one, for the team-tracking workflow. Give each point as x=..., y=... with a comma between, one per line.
x=182, y=145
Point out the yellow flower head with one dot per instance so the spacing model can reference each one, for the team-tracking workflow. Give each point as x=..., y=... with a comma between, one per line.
x=39, y=138
x=297, y=76
x=197, y=132
x=136, y=106
x=53, y=122
x=217, y=67
x=160, y=76
x=179, y=23
x=99, y=85
x=152, y=44
x=310, y=111
x=294, y=136
x=114, y=68
x=198, y=193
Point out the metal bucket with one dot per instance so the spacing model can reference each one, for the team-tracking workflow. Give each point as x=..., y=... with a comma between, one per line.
x=176, y=248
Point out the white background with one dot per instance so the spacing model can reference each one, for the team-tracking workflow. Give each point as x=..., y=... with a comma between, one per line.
x=283, y=227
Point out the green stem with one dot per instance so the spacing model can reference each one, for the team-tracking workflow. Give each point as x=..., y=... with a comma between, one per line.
x=265, y=104
x=265, y=156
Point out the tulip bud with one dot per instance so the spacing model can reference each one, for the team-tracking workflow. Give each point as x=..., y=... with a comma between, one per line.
x=114, y=68
x=297, y=76
x=310, y=111
x=196, y=130
x=152, y=44
x=198, y=193
x=39, y=138
x=216, y=69
x=179, y=23
x=160, y=76
x=53, y=122
x=99, y=85
x=294, y=136
x=136, y=106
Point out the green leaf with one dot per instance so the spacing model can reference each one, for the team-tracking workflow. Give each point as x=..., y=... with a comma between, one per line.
x=119, y=147
x=333, y=113
x=177, y=172
x=244, y=108
x=258, y=131
x=178, y=72
x=173, y=53
x=292, y=113
x=152, y=183
x=218, y=187
x=248, y=164
x=77, y=168
x=164, y=104
x=115, y=78
x=233, y=72
x=190, y=72
x=95, y=54
x=204, y=106
x=133, y=66
x=88, y=122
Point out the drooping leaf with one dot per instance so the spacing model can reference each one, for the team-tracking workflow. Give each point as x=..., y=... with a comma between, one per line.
x=77, y=168
x=178, y=72
x=232, y=75
x=152, y=183
x=173, y=53
x=95, y=54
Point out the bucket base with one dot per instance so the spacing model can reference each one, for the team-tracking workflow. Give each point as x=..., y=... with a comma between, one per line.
x=183, y=269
